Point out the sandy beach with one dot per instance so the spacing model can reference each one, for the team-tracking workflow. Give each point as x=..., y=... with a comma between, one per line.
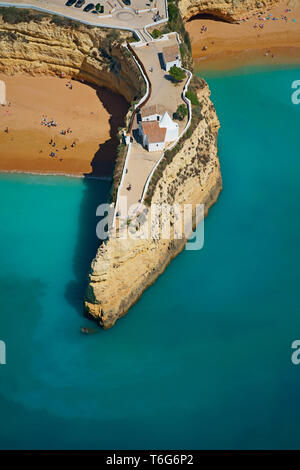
x=258, y=40
x=80, y=142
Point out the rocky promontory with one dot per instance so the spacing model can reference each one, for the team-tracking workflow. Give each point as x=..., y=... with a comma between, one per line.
x=124, y=268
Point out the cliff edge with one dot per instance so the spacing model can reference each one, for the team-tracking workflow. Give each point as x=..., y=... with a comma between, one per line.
x=227, y=10
x=124, y=268
x=37, y=43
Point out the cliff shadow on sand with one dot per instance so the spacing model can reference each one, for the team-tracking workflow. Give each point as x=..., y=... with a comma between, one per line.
x=97, y=185
x=207, y=16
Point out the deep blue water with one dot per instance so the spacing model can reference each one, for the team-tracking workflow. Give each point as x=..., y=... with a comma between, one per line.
x=203, y=360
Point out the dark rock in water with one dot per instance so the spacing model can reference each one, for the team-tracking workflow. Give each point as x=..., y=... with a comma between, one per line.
x=88, y=331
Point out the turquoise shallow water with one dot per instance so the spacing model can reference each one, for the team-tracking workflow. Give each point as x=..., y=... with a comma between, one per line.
x=203, y=359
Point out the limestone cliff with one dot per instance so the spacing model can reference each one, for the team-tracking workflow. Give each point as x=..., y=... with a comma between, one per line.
x=228, y=10
x=92, y=54
x=123, y=269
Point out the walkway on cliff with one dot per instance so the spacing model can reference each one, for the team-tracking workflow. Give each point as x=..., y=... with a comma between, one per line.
x=137, y=17
x=140, y=162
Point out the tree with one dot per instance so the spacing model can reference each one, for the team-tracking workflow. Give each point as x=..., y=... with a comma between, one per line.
x=181, y=112
x=177, y=73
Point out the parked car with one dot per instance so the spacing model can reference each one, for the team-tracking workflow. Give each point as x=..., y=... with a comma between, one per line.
x=89, y=7
x=70, y=3
x=127, y=2
x=79, y=3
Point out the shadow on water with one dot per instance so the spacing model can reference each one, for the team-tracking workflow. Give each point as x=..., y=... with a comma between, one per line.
x=96, y=191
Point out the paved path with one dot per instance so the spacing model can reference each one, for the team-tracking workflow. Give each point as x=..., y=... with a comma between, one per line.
x=140, y=161
x=135, y=18
x=120, y=16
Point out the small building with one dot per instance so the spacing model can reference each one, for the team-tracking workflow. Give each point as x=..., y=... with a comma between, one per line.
x=171, y=126
x=155, y=133
x=2, y=93
x=171, y=56
x=152, y=113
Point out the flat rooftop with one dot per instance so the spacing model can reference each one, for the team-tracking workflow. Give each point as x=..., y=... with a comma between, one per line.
x=154, y=109
x=171, y=53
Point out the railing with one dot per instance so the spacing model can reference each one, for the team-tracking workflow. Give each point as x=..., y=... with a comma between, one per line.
x=121, y=182
x=143, y=101
x=70, y=17
x=187, y=101
x=147, y=95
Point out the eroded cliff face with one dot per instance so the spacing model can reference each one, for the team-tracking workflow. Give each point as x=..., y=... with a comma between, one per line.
x=228, y=10
x=91, y=54
x=124, y=268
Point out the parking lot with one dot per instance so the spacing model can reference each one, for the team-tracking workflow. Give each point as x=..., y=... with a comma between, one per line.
x=106, y=7
x=115, y=13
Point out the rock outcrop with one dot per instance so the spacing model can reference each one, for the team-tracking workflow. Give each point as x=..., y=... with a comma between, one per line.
x=124, y=268
x=227, y=10
x=84, y=53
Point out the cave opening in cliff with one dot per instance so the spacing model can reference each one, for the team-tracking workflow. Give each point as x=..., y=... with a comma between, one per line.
x=207, y=16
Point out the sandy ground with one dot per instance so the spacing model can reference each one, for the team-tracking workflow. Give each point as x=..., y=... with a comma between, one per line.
x=91, y=114
x=224, y=45
x=141, y=162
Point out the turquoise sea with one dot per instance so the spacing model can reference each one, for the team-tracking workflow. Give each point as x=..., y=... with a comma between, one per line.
x=203, y=360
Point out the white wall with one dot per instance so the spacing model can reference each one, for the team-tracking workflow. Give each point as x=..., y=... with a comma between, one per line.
x=2, y=93
x=153, y=117
x=154, y=147
x=168, y=65
x=171, y=134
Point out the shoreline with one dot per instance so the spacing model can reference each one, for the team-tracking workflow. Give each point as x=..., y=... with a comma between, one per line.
x=57, y=126
x=65, y=175
x=246, y=59
x=259, y=40
x=220, y=47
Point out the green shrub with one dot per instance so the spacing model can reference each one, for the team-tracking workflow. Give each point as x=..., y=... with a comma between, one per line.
x=113, y=35
x=173, y=13
x=14, y=15
x=181, y=112
x=156, y=33
x=192, y=97
x=177, y=73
